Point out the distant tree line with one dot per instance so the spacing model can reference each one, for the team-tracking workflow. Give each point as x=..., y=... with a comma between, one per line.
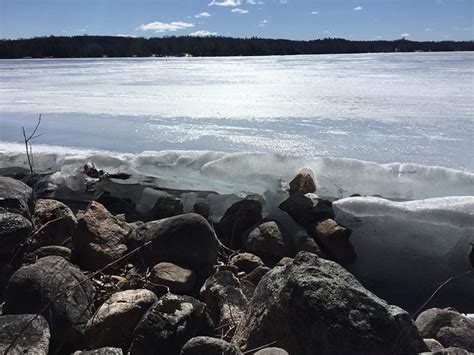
x=111, y=46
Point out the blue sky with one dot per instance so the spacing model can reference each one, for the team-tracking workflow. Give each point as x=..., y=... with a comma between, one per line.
x=293, y=19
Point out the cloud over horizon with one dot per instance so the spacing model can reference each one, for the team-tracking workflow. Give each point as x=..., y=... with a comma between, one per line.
x=164, y=27
x=225, y=3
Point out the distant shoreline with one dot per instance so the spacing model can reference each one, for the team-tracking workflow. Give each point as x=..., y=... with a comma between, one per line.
x=187, y=46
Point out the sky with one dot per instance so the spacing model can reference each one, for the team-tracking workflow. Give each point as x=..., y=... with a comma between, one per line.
x=291, y=19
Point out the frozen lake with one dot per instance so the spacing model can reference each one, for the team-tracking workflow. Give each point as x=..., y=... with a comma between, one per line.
x=414, y=107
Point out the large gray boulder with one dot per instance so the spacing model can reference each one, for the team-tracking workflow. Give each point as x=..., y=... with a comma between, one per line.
x=54, y=233
x=33, y=340
x=447, y=326
x=14, y=230
x=314, y=306
x=186, y=240
x=15, y=197
x=114, y=322
x=169, y=324
x=33, y=287
x=99, y=238
x=209, y=346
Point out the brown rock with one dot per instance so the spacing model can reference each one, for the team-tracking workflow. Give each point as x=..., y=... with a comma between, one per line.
x=99, y=238
x=303, y=183
x=335, y=241
x=307, y=209
x=178, y=279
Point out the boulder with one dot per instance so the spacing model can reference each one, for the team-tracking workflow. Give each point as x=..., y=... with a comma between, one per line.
x=56, y=232
x=186, y=240
x=99, y=238
x=33, y=340
x=268, y=240
x=447, y=326
x=285, y=261
x=209, y=346
x=225, y=299
x=237, y=219
x=115, y=320
x=307, y=209
x=334, y=239
x=246, y=262
x=15, y=197
x=169, y=324
x=315, y=306
x=202, y=207
x=303, y=242
x=33, y=287
x=303, y=183
x=178, y=279
x=101, y=351
x=14, y=230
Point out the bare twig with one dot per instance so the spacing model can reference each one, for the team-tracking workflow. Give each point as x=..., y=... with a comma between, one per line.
x=438, y=289
x=89, y=277
x=29, y=150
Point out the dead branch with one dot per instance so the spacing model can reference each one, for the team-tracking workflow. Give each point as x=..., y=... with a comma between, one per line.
x=29, y=150
x=438, y=289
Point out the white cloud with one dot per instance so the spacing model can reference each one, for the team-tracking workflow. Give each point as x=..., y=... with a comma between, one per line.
x=125, y=35
x=224, y=3
x=283, y=1
x=358, y=8
x=263, y=23
x=326, y=32
x=203, y=34
x=240, y=11
x=404, y=35
x=203, y=14
x=314, y=12
x=164, y=27
x=251, y=2
x=428, y=29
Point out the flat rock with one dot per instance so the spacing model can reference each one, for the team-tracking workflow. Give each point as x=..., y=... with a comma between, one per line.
x=178, y=279
x=186, y=240
x=55, y=233
x=99, y=238
x=316, y=306
x=209, y=346
x=15, y=197
x=114, y=322
x=447, y=326
x=34, y=286
x=14, y=230
x=33, y=340
x=169, y=324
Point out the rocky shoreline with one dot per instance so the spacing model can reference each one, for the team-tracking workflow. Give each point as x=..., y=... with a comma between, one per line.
x=110, y=276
